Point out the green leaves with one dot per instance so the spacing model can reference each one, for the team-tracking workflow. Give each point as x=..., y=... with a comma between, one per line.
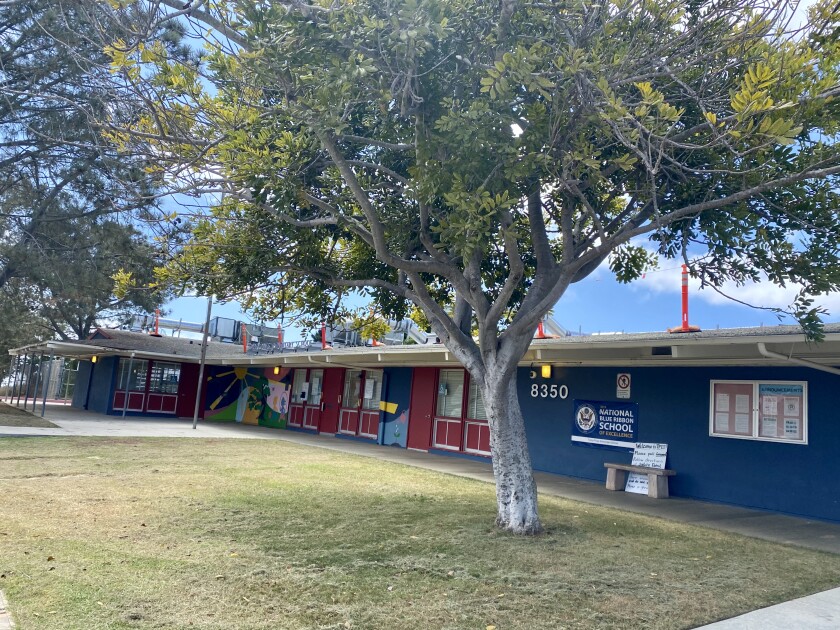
x=518, y=70
x=472, y=218
x=630, y=262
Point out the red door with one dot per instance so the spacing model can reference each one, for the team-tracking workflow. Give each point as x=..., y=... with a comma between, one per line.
x=333, y=379
x=187, y=386
x=422, y=408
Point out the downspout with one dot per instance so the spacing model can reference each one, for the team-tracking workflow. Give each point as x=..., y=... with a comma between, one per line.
x=89, y=385
x=762, y=349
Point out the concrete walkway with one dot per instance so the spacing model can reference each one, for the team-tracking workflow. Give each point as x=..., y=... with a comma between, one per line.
x=817, y=611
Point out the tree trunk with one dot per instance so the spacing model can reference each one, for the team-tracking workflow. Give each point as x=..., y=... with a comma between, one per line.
x=516, y=490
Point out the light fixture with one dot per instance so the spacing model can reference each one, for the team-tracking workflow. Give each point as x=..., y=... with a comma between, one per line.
x=276, y=370
x=545, y=371
x=93, y=359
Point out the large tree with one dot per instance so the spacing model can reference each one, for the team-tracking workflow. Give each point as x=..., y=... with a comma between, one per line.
x=476, y=159
x=68, y=198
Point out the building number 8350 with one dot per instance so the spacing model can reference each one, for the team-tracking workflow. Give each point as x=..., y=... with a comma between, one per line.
x=549, y=391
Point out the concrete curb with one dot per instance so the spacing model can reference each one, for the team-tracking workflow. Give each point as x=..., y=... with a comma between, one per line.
x=6, y=622
x=820, y=611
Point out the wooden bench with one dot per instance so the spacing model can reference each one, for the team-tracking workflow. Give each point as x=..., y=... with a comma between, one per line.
x=657, y=478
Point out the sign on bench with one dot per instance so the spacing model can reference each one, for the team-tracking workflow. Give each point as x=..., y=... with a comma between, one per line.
x=647, y=454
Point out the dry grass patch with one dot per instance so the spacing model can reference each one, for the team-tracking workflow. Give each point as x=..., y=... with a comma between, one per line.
x=145, y=533
x=14, y=417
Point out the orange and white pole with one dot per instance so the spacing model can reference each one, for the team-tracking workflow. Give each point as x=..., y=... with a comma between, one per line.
x=685, y=325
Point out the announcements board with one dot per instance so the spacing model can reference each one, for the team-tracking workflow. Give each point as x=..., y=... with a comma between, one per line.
x=648, y=454
x=599, y=424
x=780, y=409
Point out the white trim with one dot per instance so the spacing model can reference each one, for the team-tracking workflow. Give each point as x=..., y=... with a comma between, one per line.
x=477, y=423
x=447, y=420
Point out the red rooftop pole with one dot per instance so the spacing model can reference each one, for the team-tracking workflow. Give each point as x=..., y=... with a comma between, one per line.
x=684, y=327
x=685, y=298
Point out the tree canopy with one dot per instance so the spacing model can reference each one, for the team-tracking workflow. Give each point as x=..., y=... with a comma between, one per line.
x=476, y=159
x=67, y=197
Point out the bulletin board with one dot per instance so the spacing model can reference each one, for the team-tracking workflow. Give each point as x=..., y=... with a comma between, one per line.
x=781, y=411
x=732, y=408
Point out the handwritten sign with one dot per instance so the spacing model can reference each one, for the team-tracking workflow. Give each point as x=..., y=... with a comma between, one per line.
x=648, y=454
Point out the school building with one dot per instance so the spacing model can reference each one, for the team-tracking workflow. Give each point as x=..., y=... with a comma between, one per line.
x=750, y=416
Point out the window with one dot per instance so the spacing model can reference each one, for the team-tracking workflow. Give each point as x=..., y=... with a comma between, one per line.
x=316, y=384
x=299, y=386
x=450, y=393
x=164, y=378
x=352, y=385
x=475, y=403
x=133, y=372
x=373, y=389
x=773, y=411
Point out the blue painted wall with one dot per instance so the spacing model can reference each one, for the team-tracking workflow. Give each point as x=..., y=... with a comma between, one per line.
x=394, y=426
x=100, y=399
x=674, y=409
x=81, y=387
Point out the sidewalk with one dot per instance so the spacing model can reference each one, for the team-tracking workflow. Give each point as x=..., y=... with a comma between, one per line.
x=817, y=611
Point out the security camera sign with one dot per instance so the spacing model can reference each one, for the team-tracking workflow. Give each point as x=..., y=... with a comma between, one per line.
x=622, y=385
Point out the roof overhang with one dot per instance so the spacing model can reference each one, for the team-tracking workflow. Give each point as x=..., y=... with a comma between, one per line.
x=605, y=350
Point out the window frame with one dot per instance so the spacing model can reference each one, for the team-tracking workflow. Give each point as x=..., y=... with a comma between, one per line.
x=162, y=369
x=464, y=391
x=376, y=399
x=756, y=412
x=297, y=387
x=347, y=393
x=125, y=375
x=474, y=396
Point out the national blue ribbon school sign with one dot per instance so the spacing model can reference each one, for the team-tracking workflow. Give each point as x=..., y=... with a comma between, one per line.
x=605, y=424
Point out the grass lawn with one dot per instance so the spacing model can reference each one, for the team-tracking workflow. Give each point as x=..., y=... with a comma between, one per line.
x=166, y=533
x=14, y=417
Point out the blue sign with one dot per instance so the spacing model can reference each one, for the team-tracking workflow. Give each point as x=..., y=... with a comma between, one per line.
x=605, y=424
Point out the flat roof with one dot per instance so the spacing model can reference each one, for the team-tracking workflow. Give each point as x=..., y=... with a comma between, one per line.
x=736, y=346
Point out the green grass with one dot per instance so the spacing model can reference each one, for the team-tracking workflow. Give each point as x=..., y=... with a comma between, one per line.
x=14, y=417
x=164, y=533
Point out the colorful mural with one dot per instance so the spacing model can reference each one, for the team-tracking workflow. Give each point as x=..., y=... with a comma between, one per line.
x=395, y=429
x=248, y=395
x=395, y=400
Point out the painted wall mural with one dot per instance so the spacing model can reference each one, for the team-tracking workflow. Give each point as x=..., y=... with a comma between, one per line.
x=395, y=401
x=248, y=395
